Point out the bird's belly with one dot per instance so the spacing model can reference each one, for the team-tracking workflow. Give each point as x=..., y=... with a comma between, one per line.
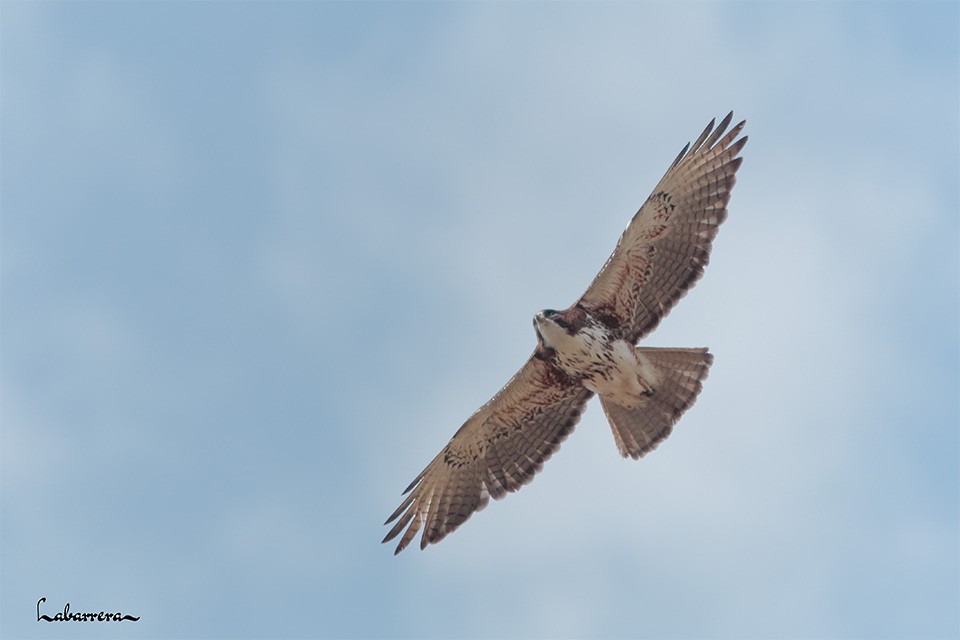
x=613, y=370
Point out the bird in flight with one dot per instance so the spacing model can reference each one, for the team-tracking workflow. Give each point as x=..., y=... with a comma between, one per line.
x=590, y=348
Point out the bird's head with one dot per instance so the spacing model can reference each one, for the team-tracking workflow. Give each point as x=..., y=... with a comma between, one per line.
x=552, y=327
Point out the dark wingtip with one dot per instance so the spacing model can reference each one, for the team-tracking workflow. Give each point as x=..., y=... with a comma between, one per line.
x=390, y=536
x=679, y=157
x=726, y=121
x=718, y=132
x=414, y=483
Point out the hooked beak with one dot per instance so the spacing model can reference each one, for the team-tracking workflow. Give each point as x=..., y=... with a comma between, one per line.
x=540, y=317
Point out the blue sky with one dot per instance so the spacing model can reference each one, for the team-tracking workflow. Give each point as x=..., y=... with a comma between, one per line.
x=260, y=261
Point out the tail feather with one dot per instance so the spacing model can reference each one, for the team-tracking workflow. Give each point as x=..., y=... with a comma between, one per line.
x=681, y=373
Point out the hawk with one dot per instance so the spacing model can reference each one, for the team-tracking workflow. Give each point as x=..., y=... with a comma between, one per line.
x=590, y=348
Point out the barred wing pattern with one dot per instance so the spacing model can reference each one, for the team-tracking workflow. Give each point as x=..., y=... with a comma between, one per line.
x=497, y=450
x=661, y=255
x=665, y=247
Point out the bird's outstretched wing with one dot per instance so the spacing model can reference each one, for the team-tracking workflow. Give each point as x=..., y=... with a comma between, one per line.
x=664, y=249
x=498, y=449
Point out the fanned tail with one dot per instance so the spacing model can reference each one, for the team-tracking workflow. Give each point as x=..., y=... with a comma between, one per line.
x=680, y=374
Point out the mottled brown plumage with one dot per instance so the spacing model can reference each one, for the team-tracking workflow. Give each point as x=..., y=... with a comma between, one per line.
x=589, y=348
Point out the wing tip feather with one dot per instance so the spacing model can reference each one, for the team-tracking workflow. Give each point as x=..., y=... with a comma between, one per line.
x=718, y=132
x=712, y=138
x=738, y=146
